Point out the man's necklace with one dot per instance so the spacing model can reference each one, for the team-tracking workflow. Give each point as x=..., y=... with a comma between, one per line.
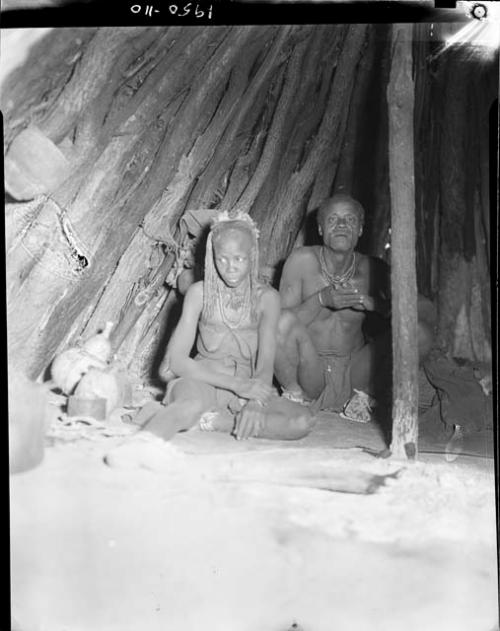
x=332, y=279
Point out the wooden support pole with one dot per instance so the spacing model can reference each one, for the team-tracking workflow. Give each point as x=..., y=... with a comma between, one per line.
x=400, y=98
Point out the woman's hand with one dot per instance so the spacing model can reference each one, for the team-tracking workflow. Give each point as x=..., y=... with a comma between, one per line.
x=253, y=389
x=250, y=421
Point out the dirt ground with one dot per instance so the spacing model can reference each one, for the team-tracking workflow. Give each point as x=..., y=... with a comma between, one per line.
x=124, y=548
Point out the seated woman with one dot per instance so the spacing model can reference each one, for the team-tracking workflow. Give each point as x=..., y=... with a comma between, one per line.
x=227, y=386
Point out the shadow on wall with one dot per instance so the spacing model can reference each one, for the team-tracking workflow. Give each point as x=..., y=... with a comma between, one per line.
x=191, y=275
x=172, y=318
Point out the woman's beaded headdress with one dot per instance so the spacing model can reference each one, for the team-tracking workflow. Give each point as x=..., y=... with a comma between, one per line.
x=212, y=283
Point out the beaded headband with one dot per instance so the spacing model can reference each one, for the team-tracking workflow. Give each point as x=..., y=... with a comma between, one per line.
x=235, y=216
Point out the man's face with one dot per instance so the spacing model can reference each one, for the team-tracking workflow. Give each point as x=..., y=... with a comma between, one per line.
x=341, y=227
x=232, y=256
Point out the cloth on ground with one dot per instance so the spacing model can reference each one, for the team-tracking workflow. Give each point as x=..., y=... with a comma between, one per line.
x=461, y=399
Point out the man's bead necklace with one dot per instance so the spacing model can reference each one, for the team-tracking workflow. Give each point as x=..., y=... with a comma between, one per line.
x=336, y=280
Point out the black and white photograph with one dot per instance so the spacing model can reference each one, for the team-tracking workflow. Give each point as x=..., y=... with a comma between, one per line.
x=250, y=289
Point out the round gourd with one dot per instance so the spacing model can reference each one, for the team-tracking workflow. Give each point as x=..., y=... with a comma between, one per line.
x=99, y=345
x=69, y=366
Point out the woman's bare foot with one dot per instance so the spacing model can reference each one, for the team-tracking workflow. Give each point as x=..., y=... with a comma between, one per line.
x=217, y=422
x=295, y=395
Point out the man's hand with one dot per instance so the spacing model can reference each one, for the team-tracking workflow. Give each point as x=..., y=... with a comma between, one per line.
x=345, y=297
x=250, y=421
x=253, y=389
x=366, y=303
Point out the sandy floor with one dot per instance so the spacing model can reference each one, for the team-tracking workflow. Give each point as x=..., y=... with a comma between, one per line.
x=101, y=548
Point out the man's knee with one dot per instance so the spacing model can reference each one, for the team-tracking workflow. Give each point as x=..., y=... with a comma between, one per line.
x=288, y=320
x=288, y=324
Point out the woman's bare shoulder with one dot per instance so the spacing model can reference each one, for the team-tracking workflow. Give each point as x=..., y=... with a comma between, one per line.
x=194, y=295
x=196, y=289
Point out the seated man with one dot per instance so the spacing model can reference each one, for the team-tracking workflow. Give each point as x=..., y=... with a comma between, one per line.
x=326, y=293
x=234, y=319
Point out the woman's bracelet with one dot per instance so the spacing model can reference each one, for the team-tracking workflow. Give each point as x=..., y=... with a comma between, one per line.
x=319, y=298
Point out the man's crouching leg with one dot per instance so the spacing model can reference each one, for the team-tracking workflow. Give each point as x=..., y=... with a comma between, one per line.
x=285, y=420
x=297, y=366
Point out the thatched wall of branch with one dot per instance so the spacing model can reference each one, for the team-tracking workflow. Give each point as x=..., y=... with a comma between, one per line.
x=155, y=122
x=162, y=126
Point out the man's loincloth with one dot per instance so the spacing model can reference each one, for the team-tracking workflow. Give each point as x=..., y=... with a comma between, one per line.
x=337, y=383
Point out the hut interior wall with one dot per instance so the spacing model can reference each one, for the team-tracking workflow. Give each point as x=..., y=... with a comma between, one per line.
x=453, y=100
x=270, y=119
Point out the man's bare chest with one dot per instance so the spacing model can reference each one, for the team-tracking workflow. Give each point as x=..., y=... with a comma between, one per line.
x=314, y=281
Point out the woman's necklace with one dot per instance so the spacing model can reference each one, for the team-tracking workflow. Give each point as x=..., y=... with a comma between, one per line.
x=332, y=279
x=231, y=301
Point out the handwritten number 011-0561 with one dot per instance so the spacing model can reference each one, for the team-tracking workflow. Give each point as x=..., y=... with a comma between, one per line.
x=175, y=9
x=188, y=8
